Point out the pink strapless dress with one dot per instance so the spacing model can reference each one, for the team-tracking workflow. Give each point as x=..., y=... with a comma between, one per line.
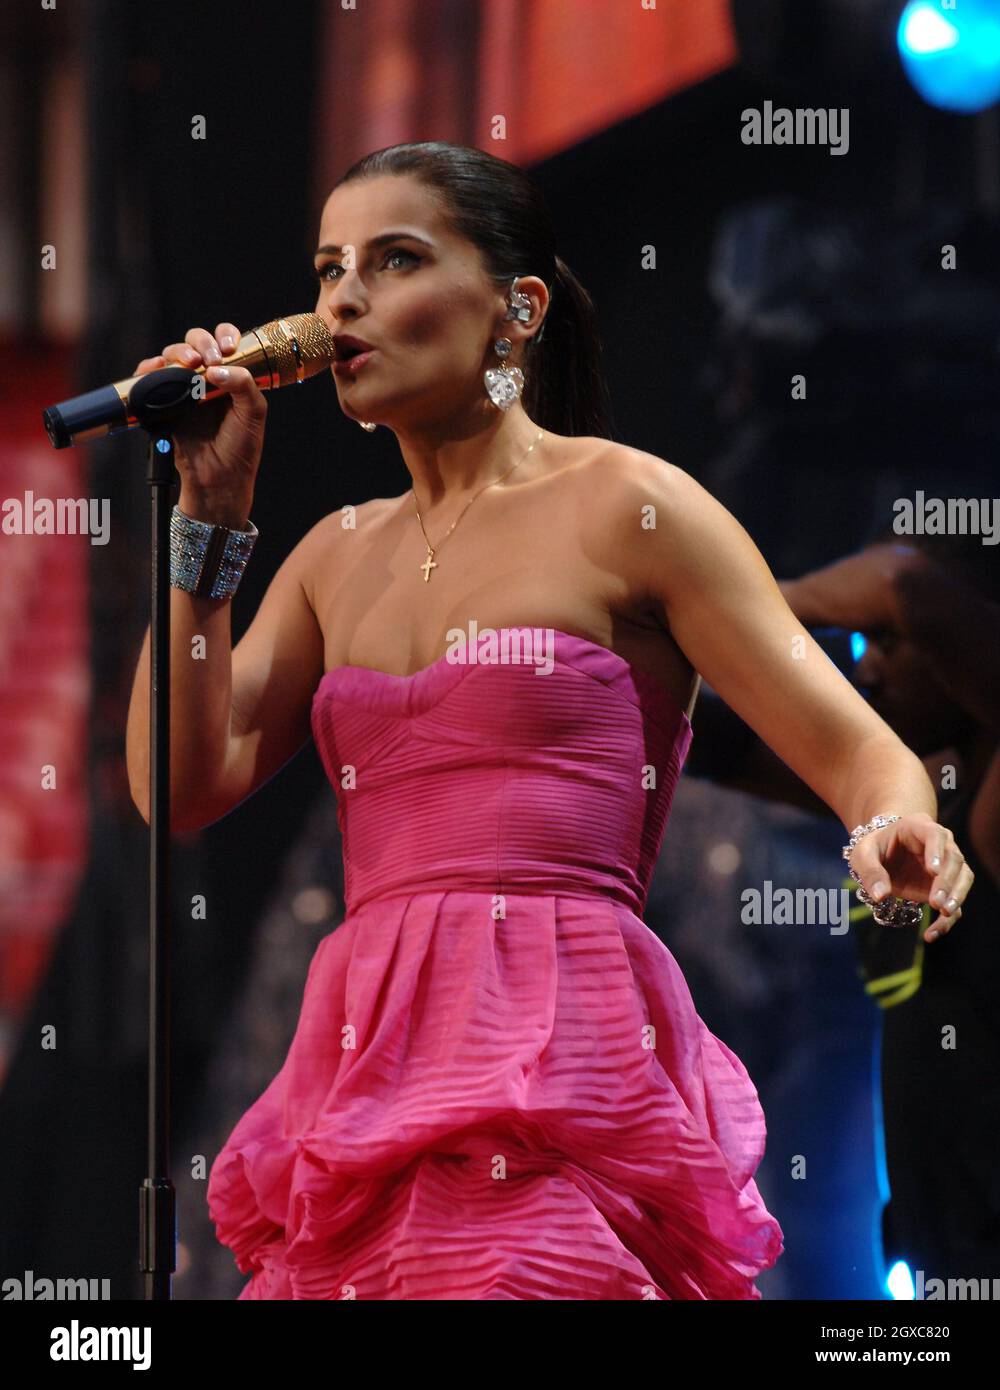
x=499, y=1087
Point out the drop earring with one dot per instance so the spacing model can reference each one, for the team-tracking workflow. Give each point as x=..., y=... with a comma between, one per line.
x=368, y=425
x=504, y=384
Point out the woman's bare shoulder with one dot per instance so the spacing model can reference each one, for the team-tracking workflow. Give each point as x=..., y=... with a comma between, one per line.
x=616, y=480
x=606, y=467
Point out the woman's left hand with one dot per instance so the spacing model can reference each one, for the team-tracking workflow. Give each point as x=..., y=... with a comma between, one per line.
x=915, y=858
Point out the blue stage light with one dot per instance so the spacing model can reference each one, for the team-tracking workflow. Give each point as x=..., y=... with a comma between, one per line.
x=900, y=1282
x=951, y=54
x=858, y=645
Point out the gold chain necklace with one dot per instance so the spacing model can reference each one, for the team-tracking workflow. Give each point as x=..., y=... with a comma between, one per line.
x=430, y=563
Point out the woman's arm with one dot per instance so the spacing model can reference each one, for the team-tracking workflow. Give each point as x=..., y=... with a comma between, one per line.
x=726, y=751
x=682, y=550
x=725, y=610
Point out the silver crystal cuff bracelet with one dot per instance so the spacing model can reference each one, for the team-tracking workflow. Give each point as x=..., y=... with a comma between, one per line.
x=205, y=559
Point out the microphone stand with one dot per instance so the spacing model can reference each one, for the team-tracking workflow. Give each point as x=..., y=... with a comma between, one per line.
x=278, y=353
x=155, y=400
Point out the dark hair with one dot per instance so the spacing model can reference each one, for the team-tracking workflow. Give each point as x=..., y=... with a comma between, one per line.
x=497, y=207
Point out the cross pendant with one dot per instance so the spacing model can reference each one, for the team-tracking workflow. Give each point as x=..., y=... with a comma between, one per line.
x=428, y=565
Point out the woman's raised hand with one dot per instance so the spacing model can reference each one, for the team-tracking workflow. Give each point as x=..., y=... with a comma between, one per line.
x=218, y=443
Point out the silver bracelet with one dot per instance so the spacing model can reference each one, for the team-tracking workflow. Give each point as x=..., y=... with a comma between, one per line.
x=890, y=912
x=205, y=559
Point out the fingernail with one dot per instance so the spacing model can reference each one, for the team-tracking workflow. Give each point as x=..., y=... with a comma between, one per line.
x=879, y=888
x=227, y=341
x=939, y=897
x=932, y=935
x=219, y=373
x=950, y=905
x=212, y=354
x=936, y=862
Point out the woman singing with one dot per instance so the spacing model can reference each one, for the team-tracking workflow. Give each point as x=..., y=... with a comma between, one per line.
x=499, y=1087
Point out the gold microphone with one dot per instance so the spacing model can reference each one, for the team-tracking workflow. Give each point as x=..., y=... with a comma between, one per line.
x=279, y=353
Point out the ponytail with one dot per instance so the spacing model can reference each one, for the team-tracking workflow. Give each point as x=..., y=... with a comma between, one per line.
x=564, y=389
